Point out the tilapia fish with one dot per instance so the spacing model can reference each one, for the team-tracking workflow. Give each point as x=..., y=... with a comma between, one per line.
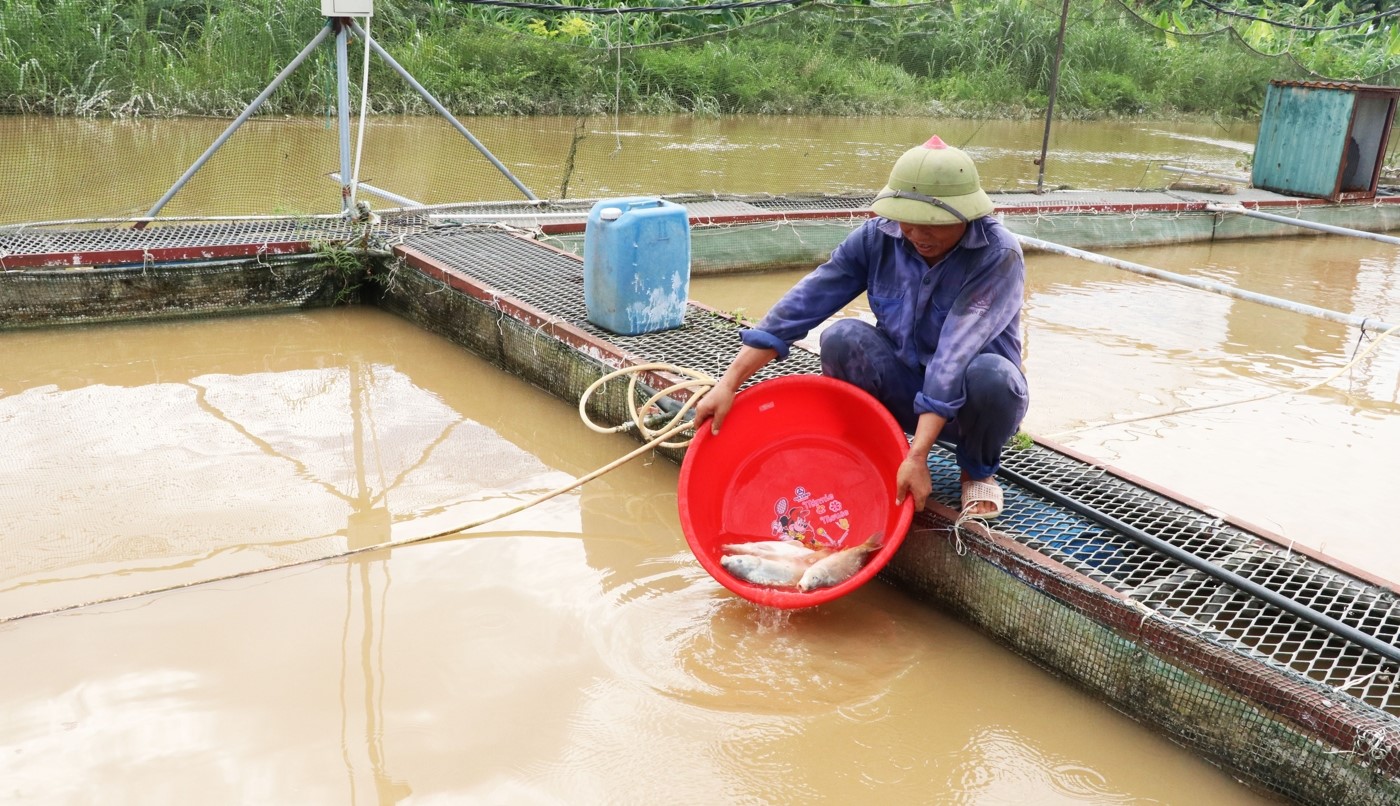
x=779, y=563
x=838, y=567
x=782, y=572
x=772, y=549
x=788, y=563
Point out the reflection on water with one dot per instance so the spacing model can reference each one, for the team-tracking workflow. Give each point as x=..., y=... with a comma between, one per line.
x=59, y=168
x=1104, y=347
x=321, y=452
x=1001, y=764
x=362, y=679
x=574, y=652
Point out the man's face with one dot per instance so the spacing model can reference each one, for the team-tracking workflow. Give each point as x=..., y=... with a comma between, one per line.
x=933, y=240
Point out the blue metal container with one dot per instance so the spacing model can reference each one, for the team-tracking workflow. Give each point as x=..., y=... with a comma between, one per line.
x=1323, y=140
x=636, y=265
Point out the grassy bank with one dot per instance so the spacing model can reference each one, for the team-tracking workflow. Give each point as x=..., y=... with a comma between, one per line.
x=988, y=57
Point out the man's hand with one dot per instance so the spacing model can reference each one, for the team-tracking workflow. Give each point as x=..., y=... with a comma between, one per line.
x=714, y=406
x=913, y=481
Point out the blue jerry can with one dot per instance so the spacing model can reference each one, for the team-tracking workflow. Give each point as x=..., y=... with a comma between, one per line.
x=636, y=265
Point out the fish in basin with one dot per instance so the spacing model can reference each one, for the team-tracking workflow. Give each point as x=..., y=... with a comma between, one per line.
x=781, y=572
x=774, y=549
x=839, y=566
x=788, y=563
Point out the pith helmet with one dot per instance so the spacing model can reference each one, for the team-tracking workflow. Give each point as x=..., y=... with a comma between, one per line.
x=933, y=184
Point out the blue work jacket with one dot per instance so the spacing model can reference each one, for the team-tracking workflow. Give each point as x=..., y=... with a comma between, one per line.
x=937, y=317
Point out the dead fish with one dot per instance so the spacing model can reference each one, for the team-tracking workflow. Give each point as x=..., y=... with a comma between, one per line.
x=774, y=549
x=839, y=567
x=774, y=571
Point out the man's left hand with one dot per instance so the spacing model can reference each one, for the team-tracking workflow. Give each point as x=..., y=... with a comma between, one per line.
x=912, y=481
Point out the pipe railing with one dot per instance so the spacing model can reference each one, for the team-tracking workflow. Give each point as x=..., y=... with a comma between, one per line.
x=1247, y=586
x=1363, y=322
x=1238, y=209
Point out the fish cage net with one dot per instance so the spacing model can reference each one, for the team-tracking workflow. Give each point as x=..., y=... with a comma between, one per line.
x=1269, y=721
x=104, y=106
x=1297, y=710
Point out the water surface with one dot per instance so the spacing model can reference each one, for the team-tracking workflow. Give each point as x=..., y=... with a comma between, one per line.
x=62, y=168
x=573, y=653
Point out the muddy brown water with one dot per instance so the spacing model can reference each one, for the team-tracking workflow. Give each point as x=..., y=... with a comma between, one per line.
x=65, y=168
x=576, y=652
x=573, y=653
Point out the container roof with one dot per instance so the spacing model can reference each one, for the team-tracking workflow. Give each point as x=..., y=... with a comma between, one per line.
x=1336, y=85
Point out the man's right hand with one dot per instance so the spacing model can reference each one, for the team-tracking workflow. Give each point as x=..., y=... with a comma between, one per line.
x=912, y=480
x=714, y=406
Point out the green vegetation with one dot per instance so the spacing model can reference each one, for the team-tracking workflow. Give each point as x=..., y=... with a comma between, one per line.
x=732, y=319
x=961, y=57
x=346, y=269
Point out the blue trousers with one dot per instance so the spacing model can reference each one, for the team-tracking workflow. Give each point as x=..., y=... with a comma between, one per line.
x=856, y=352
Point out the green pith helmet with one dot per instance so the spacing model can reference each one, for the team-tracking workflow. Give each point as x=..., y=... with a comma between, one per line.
x=933, y=184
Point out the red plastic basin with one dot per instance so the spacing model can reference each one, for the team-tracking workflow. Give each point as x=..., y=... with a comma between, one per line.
x=803, y=456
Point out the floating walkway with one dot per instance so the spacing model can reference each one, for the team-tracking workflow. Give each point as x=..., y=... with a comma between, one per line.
x=730, y=233
x=1283, y=703
x=1261, y=692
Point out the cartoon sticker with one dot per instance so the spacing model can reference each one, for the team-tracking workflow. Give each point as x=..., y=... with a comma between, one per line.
x=796, y=521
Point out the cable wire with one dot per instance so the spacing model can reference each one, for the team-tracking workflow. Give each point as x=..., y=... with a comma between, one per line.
x=1293, y=26
x=632, y=9
x=364, y=116
x=644, y=419
x=1192, y=409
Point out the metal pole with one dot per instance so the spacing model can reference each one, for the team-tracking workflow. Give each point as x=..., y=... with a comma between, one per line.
x=393, y=197
x=233, y=127
x=1254, y=589
x=1297, y=222
x=1363, y=322
x=1054, y=89
x=580, y=216
x=342, y=105
x=442, y=110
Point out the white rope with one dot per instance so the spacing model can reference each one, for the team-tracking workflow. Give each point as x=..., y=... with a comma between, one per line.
x=698, y=384
x=364, y=116
x=955, y=530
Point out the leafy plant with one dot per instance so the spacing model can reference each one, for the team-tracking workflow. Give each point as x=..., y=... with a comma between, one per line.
x=345, y=269
x=988, y=57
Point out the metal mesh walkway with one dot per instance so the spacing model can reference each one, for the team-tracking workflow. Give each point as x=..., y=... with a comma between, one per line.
x=1216, y=612
x=112, y=242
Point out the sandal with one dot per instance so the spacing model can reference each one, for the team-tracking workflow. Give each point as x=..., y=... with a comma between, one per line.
x=976, y=491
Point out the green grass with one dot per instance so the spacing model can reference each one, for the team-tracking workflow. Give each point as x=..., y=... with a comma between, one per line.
x=990, y=58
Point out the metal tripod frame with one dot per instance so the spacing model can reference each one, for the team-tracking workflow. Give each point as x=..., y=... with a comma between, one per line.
x=342, y=26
